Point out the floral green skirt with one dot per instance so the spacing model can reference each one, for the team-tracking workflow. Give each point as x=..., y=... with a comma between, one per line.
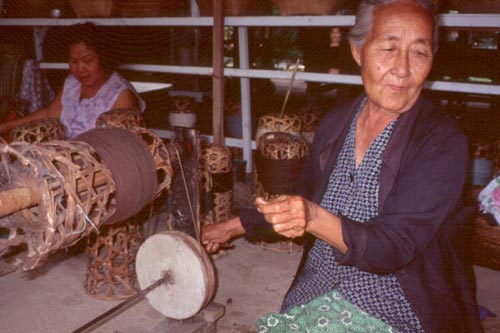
x=326, y=313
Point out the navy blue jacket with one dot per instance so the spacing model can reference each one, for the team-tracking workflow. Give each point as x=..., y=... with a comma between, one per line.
x=421, y=231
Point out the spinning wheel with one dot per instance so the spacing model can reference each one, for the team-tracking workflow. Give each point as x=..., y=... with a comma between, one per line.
x=189, y=275
x=175, y=275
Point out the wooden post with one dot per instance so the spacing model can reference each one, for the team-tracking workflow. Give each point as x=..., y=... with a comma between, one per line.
x=218, y=72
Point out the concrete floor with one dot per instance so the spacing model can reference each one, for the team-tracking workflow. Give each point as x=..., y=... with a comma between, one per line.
x=251, y=283
x=51, y=298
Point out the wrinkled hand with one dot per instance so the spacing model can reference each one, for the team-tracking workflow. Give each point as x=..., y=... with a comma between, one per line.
x=290, y=215
x=214, y=236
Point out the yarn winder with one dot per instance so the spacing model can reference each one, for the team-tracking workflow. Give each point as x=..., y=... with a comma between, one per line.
x=54, y=193
x=63, y=189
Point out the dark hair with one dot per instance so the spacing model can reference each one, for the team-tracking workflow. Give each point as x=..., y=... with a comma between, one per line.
x=92, y=36
x=365, y=13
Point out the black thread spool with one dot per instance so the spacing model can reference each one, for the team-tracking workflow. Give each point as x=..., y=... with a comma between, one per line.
x=279, y=160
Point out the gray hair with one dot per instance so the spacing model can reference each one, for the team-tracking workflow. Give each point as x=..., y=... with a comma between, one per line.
x=364, y=19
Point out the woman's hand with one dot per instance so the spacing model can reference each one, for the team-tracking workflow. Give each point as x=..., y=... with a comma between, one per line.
x=213, y=236
x=291, y=216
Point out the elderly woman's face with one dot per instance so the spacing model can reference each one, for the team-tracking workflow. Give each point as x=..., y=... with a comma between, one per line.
x=396, y=57
x=85, y=65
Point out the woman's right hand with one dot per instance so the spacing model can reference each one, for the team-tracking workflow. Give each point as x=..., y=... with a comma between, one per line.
x=215, y=235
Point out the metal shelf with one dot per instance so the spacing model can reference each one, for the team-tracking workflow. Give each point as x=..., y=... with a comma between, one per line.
x=488, y=21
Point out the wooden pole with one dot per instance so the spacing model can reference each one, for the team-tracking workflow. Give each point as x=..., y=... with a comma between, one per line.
x=218, y=72
x=15, y=199
x=290, y=85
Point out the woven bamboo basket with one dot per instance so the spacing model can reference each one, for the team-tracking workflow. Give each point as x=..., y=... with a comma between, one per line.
x=288, y=123
x=308, y=7
x=38, y=131
x=280, y=156
x=63, y=172
x=93, y=8
x=124, y=118
x=486, y=244
x=111, y=256
x=310, y=122
x=283, y=146
x=476, y=6
x=216, y=178
x=214, y=159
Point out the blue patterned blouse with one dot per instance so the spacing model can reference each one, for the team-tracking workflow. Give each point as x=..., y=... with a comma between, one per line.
x=353, y=192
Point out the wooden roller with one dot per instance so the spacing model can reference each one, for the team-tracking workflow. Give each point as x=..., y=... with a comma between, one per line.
x=16, y=199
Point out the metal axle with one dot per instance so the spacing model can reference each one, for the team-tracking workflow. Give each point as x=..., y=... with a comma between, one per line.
x=122, y=306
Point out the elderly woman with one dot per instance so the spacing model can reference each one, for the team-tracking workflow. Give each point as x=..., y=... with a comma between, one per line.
x=379, y=198
x=92, y=88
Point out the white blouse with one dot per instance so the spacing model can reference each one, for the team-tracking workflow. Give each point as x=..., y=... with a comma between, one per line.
x=79, y=116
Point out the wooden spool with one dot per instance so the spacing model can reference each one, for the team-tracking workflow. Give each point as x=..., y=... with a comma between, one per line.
x=277, y=146
x=273, y=123
x=189, y=273
x=285, y=148
x=110, y=274
x=38, y=131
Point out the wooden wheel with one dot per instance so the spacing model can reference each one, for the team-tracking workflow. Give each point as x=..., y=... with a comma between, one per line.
x=190, y=277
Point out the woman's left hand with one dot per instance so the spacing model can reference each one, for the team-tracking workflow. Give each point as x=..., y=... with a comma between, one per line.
x=290, y=215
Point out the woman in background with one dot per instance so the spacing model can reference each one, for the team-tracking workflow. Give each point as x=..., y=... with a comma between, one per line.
x=92, y=88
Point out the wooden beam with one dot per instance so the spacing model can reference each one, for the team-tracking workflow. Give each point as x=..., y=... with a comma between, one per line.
x=218, y=74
